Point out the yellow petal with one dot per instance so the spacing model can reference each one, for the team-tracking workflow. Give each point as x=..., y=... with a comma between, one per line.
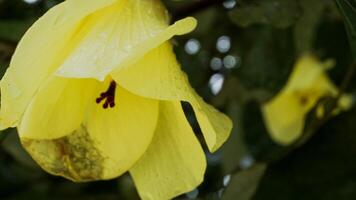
x=174, y=162
x=57, y=109
x=285, y=114
x=105, y=145
x=39, y=53
x=158, y=75
x=122, y=133
x=120, y=35
x=284, y=118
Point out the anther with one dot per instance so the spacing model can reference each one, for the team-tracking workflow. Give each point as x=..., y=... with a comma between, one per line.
x=109, y=96
x=112, y=104
x=98, y=100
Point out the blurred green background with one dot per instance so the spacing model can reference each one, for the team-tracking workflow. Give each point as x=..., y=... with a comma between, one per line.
x=239, y=57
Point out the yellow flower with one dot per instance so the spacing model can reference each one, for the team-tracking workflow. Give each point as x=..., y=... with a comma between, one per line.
x=94, y=90
x=285, y=114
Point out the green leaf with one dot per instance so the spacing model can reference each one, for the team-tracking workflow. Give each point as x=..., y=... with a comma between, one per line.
x=244, y=184
x=348, y=10
x=257, y=138
x=278, y=13
x=12, y=146
x=306, y=27
x=13, y=30
x=235, y=149
x=268, y=61
x=321, y=169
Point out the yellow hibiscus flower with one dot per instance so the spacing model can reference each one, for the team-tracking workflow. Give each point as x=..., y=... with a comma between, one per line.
x=94, y=90
x=285, y=114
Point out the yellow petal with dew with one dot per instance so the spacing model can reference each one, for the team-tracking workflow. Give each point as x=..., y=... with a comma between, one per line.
x=158, y=75
x=285, y=114
x=122, y=133
x=105, y=145
x=39, y=54
x=57, y=109
x=174, y=162
x=119, y=36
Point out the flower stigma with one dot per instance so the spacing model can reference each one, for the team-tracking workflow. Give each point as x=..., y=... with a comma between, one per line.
x=109, y=96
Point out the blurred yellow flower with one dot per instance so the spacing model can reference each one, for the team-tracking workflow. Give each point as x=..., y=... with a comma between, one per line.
x=285, y=114
x=94, y=89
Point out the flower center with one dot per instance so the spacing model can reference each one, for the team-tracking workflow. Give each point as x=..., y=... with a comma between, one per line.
x=108, y=96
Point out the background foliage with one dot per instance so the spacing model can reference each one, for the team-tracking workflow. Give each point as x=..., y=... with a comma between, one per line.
x=240, y=56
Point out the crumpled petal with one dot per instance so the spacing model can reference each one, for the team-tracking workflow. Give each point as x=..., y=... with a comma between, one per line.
x=105, y=145
x=174, y=162
x=285, y=114
x=57, y=109
x=39, y=53
x=158, y=75
x=120, y=35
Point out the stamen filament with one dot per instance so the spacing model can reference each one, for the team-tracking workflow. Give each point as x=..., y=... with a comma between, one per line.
x=109, y=96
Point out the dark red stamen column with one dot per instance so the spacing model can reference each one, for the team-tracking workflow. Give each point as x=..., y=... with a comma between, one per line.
x=109, y=96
